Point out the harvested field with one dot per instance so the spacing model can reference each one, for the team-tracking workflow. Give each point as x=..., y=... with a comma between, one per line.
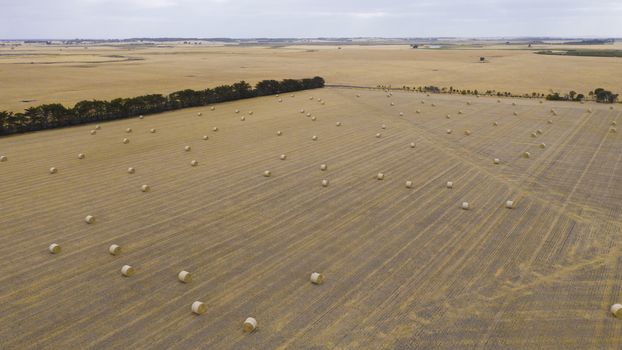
x=405, y=267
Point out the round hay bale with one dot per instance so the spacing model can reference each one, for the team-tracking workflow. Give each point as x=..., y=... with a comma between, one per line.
x=418, y=111
x=513, y=103
x=199, y=114
x=114, y=249
x=280, y=100
x=212, y=108
x=611, y=108
x=250, y=324
x=465, y=206
x=468, y=103
x=449, y=131
x=515, y=113
x=589, y=110
x=392, y=104
x=292, y=95
x=549, y=121
x=214, y=129
x=467, y=132
x=184, y=276
x=145, y=188
x=614, y=123
x=277, y=95
x=53, y=170
x=543, y=145
x=313, y=118
x=533, y=134
x=89, y=219
x=449, y=184
x=81, y=156
x=250, y=112
x=498, y=101
x=613, y=130
x=409, y=184
x=338, y=123
x=401, y=114
x=495, y=124
x=323, y=103
x=323, y=167
x=205, y=137
x=302, y=111
x=131, y=170
x=539, y=131
x=267, y=173
x=126, y=141
x=383, y=126
x=237, y=111
x=308, y=115
x=127, y=271
x=316, y=278
x=422, y=102
x=325, y=183
x=616, y=310
x=97, y=127
x=526, y=155
x=509, y=204
x=378, y=135
x=54, y=248
x=279, y=133
x=412, y=145
x=194, y=163
x=242, y=118
x=198, y=308
x=3, y=159
x=153, y=131
x=358, y=95
x=448, y=116
x=314, y=138
x=460, y=112
x=311, y=98
x=496, y=161
x=380, y=176
x=541, y=102
x=140, y=117
x=283, y=157
x=93, y=132
x=128, y=130
x=433, y=105
x=187, y=148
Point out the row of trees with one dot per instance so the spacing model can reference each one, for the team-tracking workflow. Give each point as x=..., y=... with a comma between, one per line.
x=599, y=95
x=56, y=115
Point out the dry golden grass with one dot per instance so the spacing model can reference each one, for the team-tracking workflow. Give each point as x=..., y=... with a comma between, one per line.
x=405, y=268
x=67, y=75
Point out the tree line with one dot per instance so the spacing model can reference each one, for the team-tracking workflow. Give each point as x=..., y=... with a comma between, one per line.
x=55, y=115
x=599, y=95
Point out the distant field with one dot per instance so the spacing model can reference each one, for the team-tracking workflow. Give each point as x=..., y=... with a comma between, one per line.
x=585, y=53
x=33, y=75
x=405, y=268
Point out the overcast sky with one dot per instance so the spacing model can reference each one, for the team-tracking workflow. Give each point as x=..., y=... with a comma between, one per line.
x=66, y=19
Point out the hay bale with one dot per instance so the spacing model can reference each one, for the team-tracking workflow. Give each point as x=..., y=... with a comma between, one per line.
x=325, y=183
x=449, y=131
x=515, y=113
x=549, y=121
x=323, y=167
x=280, y=100
x=194, y=163
x=613, y=130
x=614, y=123
x=152, y=131
x=131, y=170
x=292, y=95
x=93, y=132
x=412, y=145
x=302, y=111
x=467, y=132
x=541, y=102
x=496, y=161
x=392, y=104
x=127, y=271
x=380, y=176
x=126, y=141
x=279, y=133
x=54, y=248
x=409, y=184
x=187, y=148
x=383, y=126
x=3, y=159
x=184, y=276
x=242, y=118
x=81, y=156
x=543, y=145
x=250, y=112
x=465, y=206
x=128, y=130
x=283, y=157
x=422, y=102
x=460, y=112
x=495, y=124
x=378, y=135
x=214, y=129
x=308, y=115
x=498, y=101
x=114, y=249
x=314, y=138
x=589, y=110
x=338, y=123
x=533, y=134
x=468, y=103
x=539, y=131
x=198, y=308
x=448, y=116
x=212, y=108
x=611, y=108
x=89, y=219
x=311, y=98
x=205, y=137
x=313, y=118
x=145, y=188
x=509, y=204
x=199, y=114
x=237, y=111
x=449, y=184
x=250, y=324
x=316, y=278
x=323, y=103
x=97, y=127
x=433, y=105
x=526, y=155
x=616, y=310
x=358, y=95
x=418, y=111
x=267, y=173
x=401, y=114
x=513, y=103
x=53, y=170
x=140, y=117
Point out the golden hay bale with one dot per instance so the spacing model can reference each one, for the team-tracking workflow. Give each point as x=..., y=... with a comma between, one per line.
x=549, y=121
x=198, y=308
x=145, y=188
x=140, y=117
x=205, y=137
x=533, y=134
x=93, y=132
x=89, y=219
x=325, y=182
x=449, y=131
x=283, y=157
x=214, y=129
x=126, y=141
x=280, y=100
x=412, y=145
x=250, y=112
x=97, y=127
x=460, y=112
x=526, y=155
x=513, y=103
x=54, y=248
x=392, y=104
x=316, y=278
x=509, y=204
x=242, y=118
x=323, y=167
x=539, y=131
x=448, y=116
x=187, y=148
x=515, y=113
x=237, y=111
x=53, y=170
x=128, y=130
x=323, y=103
x=314, y=138
x=308, y=115
x=589, y=110
x=409, y=184
x=543, y=145
x=380, y=176
x=613, y=130
x=357, y=95
x=422, y=102
x=614, y=123
x=616, y=310
x=131, y=170
x=152, y=131
x=184, y=276
x=498, y=101
x=127, y=271
x=467, y=132
x=449, y=184
x=465, y=206
x=199, y=114
x=401, y=114
x=81, y=156
x=468, y=103
x=3, y=158
x=496, y=161
x=292, y=95
x=267, y=173
x=194, y=163
x=311, y=98
x=302, y=111
x=338, y=123
x=250, y=324
x=279, y=133
x=378, y=135
x=433, y=105
x=212, y=108
x=418, y=111
x=114, y=249
x=313, y=118
x=495, y=124
x=383, y=126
